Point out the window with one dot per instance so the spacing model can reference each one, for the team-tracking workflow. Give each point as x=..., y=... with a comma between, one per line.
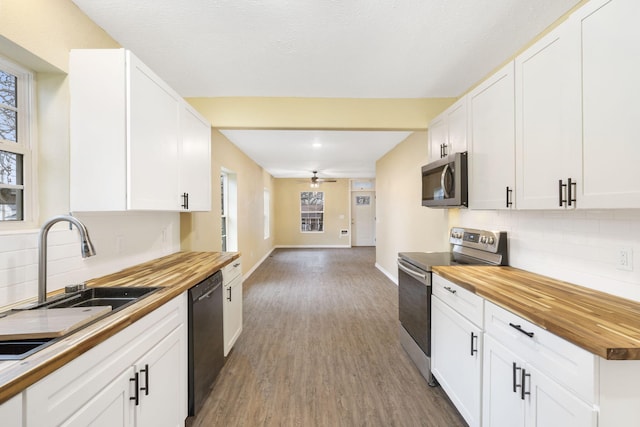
x=15, y=147
x=266, y=209
x=224, y=203
x=312, y=211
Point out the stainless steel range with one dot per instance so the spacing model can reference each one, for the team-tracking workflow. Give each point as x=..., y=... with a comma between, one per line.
x=468, y=246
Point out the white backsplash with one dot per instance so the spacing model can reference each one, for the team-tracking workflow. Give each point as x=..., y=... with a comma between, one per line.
x=120, y=239
x=579, y=247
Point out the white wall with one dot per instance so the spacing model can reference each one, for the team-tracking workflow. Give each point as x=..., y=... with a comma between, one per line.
x=579, y=247
x=120, y=239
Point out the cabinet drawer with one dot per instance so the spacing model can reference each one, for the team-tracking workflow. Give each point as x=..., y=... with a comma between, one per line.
x=561, y=360
x=461, y=300
x=231, y=271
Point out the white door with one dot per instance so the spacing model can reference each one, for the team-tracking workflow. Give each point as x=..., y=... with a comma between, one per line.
x=363, y=218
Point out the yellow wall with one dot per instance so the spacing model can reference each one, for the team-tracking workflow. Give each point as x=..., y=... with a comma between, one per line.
x=49, y=28
x=287, y=214
x=200, y=231
x=402, y=223
x=320, y=113
x=39, y=34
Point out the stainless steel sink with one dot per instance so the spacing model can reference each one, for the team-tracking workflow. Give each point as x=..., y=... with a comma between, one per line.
x=116, y=297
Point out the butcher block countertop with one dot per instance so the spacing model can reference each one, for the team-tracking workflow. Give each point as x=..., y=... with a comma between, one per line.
x=175, y=273
x=603, y=324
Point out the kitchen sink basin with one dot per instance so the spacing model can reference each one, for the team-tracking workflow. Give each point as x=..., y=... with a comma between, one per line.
x=19, y=349
x=116, y=297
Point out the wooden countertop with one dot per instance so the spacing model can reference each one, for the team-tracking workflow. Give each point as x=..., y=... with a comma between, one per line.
x=603, y=324
x=176, y=273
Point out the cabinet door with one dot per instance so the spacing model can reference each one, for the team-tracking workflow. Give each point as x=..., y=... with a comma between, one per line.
x=11, y=412
x=111, y=407
x=437, y=137
x=610, y=104
x=549, y=404
x=457, y=123
x=548, y=119
x=456, y=359
x=232, y=313
x=501, y=405
x=162, y=386
x=195, y=159
x=492, y=144
x=152, y=143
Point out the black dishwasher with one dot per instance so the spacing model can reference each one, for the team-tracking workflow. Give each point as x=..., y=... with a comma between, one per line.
x=206, y=341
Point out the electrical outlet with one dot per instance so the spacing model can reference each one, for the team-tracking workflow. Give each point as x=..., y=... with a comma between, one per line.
x=625, y=259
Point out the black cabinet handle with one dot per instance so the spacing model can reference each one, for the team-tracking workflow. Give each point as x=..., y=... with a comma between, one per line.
x=136, y=380
x=444, y=150
x=515, y=380
x=561, y=186
x=185, y=200
x=509, y=202
x=448, y=288
x=229, y=297
x=146, y=380
x=474, y=338
x=572, y=188
x=519, y=328
x=523, y=382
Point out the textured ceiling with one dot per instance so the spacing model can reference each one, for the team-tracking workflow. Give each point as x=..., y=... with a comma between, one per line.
x=322, y=48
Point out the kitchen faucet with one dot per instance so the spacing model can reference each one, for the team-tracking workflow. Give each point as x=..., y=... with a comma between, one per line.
x=86, y=249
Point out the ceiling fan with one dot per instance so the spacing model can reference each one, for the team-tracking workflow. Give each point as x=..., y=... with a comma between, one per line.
x=315, y=180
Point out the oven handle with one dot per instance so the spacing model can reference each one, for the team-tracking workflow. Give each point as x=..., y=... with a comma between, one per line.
x=415, y=273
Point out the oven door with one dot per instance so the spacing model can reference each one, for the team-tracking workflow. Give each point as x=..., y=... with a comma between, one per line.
x=414, y=303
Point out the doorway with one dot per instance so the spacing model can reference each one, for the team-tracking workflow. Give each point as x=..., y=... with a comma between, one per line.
x=363, y=213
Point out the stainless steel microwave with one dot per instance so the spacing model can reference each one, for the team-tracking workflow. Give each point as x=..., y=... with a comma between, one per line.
x=444, y=182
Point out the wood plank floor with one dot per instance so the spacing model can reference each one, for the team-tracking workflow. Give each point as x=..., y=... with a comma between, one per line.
x=320, y=348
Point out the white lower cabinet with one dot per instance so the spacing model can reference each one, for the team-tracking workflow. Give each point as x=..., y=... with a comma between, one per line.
x=532, y=377
x=11, y=412
x=456, y=345
x=516, y=394
x=138, y=377
x=232, y=307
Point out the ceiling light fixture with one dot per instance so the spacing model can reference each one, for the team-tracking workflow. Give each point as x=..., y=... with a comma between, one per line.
x=315, y=185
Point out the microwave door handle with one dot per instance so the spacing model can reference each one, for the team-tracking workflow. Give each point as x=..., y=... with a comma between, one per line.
x=443, y=178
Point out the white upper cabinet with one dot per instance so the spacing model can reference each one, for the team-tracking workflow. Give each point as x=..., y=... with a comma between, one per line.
x=153, y=130
x=610, y=52
x=135, y=143
x=195, y=151
x=491, y=142
x=548, y=121
x=577, y=108
x=448, y=131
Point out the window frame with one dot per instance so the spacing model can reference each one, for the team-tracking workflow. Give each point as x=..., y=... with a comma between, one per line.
x=25, y=144
x=322, y=212
x=224, y=211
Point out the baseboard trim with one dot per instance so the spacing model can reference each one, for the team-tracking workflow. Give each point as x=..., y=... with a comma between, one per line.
x=256, y=265
x=311, y=246
x=386, y=273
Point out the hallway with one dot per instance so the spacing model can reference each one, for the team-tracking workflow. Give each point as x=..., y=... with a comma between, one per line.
x=319, y=348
